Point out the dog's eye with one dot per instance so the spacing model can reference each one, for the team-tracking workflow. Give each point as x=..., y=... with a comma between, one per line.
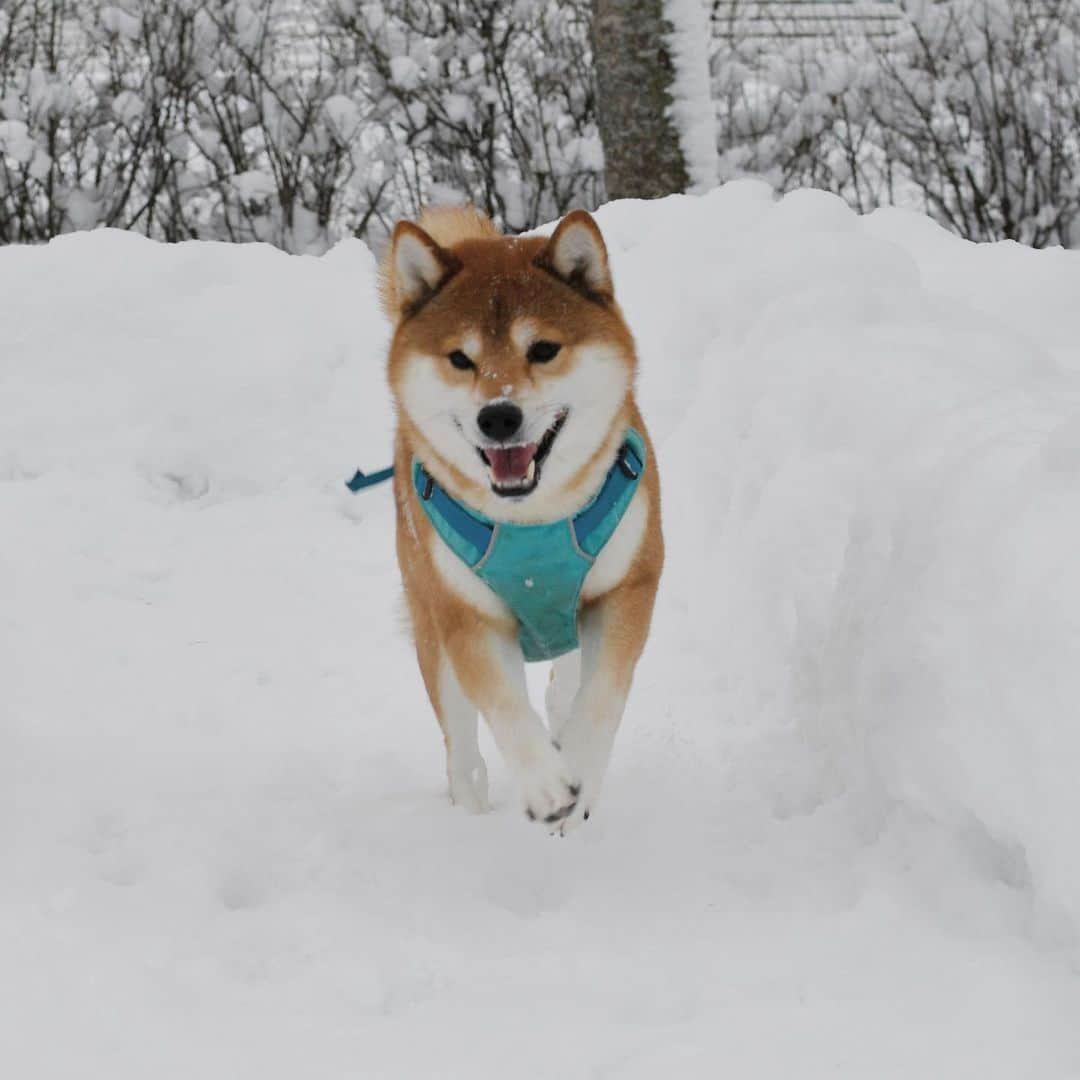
x=461, y=361
x=540, y=352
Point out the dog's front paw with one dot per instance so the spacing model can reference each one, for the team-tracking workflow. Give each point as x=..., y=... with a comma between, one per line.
x=548, y=790
x=586, y=750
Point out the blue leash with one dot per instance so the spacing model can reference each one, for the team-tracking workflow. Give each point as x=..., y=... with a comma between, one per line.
x=365, y=480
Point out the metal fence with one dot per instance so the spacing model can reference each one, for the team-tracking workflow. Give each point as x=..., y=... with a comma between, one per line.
x=763, y=21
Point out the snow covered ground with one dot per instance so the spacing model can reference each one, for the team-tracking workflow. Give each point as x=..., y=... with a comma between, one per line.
x=839, y=838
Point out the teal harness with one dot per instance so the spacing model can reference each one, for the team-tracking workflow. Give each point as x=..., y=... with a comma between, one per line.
x=537, y=570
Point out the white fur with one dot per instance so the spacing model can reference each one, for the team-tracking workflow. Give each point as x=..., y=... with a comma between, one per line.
x=405, y=501
x=465, y=768
x=416, y=269
x=561, y=690
x=618, y=553
x=523, y=333
x=578, y=251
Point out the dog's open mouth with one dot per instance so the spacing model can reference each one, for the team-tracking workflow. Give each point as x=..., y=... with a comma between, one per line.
x=515, y=470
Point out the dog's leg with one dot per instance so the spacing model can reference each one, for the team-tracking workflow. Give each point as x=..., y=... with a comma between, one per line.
x=491, y=672
x=561, y=690
x=465, y=768
x=613, y=633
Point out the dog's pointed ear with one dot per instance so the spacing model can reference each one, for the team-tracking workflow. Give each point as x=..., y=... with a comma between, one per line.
x=576, y=253
x=414, y=269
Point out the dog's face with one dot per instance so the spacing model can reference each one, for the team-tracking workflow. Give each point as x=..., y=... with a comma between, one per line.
x=510, y=357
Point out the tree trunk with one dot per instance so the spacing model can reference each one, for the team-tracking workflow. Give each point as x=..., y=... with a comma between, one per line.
x=643, y=158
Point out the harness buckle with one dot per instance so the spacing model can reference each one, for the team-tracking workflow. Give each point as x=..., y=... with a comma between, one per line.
x=623, y=461
x=429, y=486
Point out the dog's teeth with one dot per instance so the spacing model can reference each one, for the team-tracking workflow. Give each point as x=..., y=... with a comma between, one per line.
x=530, y=472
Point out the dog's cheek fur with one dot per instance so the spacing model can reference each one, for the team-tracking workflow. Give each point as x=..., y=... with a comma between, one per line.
x=595, y=389
x=432, y=404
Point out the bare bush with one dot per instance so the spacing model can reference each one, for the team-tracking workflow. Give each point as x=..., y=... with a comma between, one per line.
x=979, y=105
x=970, y=109
x=296, y=123
x=800, y=116
x=290, y=123
x=274, y=134
x=53, y=125
x=480, y=100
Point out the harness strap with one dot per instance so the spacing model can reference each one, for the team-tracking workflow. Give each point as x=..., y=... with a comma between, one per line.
x=594, y=525
x=472, y=530
x=537, y=569
x=363, y=480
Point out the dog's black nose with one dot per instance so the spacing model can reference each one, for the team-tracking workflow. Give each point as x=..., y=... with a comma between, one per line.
x=500, y=421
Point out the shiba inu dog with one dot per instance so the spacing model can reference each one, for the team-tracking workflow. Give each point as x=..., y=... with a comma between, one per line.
x=527, y=495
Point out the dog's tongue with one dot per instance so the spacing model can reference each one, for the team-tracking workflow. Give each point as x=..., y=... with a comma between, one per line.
x=510, y=463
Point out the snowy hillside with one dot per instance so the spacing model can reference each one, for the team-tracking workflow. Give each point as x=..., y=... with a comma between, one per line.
x=839, y=835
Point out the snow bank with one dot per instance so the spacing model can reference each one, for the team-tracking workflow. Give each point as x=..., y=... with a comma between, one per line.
x=841, y=807
x=888, y=421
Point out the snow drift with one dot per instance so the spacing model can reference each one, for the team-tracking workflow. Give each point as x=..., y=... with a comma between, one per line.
x=838, y=834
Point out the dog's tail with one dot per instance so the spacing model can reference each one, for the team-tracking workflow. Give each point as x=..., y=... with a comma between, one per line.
x=450, y=225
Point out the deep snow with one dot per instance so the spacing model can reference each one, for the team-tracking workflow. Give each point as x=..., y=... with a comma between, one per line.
x=839, y=834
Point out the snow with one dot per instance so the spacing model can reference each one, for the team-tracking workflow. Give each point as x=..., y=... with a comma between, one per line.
x=127, y=106
x=345, y=116
x=838, y=838
x=692, y=106
x=404, y=72
x=254, y=185
x=123, y=23
x=16, y=142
